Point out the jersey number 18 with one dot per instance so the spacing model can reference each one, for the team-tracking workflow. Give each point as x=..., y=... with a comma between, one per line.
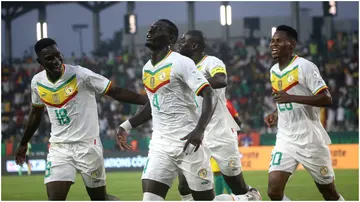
x=62, y=116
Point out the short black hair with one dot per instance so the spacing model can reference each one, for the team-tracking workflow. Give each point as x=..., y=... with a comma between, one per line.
x=198, y=36
x=290, y=32
x=43, y=43
x=173, y=28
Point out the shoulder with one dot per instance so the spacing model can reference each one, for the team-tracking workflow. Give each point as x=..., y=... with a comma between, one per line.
x=274, y=67
x=179, y=61
x=38, y=77
x=306, y=65
x=213, y=59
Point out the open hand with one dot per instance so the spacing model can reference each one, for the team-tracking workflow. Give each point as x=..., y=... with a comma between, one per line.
x=271, y=119
x=20, y=154
x=121, y=139
x=195, y=138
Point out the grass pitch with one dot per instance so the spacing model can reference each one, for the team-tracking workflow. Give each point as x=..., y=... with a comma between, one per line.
x=127, y=186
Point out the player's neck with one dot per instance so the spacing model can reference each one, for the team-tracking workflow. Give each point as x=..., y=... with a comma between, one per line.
x=158, y=55
x=197, y=57
x=284, y=61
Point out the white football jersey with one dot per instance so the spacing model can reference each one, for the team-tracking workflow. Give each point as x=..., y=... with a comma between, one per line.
x=70, y=102
x=170, y=86
x=222, y=119
x=299, y=124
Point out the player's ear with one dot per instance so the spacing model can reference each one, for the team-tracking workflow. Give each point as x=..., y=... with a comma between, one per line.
x=293, y=43
x=39, y=61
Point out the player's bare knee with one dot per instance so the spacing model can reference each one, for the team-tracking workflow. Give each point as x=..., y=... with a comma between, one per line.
x=328, y=191
x=274, y=194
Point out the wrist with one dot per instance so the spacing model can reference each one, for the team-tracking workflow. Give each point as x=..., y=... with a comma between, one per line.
x=23, y=143
x=126, y=126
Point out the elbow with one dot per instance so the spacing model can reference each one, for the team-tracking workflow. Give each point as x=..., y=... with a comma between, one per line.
x=328, y=101
x=222, y=84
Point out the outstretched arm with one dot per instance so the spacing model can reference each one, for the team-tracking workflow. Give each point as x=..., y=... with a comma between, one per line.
x=142, y=116
x=125, y=95
x=322, y=99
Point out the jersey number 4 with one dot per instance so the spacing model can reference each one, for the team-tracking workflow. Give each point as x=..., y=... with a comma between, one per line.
x=62, y=116
x=155, y=102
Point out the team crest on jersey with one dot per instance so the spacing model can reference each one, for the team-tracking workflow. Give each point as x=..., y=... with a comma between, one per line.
x=59, y=96
x=324, y=170
x=68, y=90
x=155, y=80
x=202, y=173
x=290, y=78
x=285, y=81
x=162, y=76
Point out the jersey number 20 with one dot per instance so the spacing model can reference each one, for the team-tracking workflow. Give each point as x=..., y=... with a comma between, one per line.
x=62, y=116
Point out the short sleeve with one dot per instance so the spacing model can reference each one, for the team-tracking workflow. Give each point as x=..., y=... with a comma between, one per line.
x=95, y=82
x=35, y=98
x=313, y=80
x=186, y=69
x=216, y=66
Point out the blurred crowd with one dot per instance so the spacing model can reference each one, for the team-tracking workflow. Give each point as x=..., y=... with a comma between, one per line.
x=249, y=87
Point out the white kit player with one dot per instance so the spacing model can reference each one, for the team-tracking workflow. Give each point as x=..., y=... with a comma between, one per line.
x=221, y=133
x=68, y=93
x=299, y=91
x=171, y=80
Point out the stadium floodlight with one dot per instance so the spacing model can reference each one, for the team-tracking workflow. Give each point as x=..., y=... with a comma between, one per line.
x=38, y=31
x=228, y=15
x=222, y=15
x=332, y=9
x=130, y=23
x=273, y=30
x=44, y=29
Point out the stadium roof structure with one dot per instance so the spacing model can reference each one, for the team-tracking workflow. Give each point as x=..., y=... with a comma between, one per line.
x=12, y=10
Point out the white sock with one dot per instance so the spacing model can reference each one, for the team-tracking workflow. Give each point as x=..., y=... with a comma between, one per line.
x=224, y=197
x=147, y=196
x=187, y=197
x=341, y=198
x=285, y=198
x=232, y=197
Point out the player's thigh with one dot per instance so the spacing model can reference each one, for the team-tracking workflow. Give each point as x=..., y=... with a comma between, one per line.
x=97, y=193
x=183, y=186
x=319, y=165
x=159, y=167
x=59, y=165
x=282, y=165
x=227, y=157
x=197, y=170
x=58, y=190
x=89, y=161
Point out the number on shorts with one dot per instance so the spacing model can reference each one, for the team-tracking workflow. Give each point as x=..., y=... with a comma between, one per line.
x=146, y=165
x=47, y=169
x=62, y=116
x=285, y=107
x=276, y=158
x=156, y=102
